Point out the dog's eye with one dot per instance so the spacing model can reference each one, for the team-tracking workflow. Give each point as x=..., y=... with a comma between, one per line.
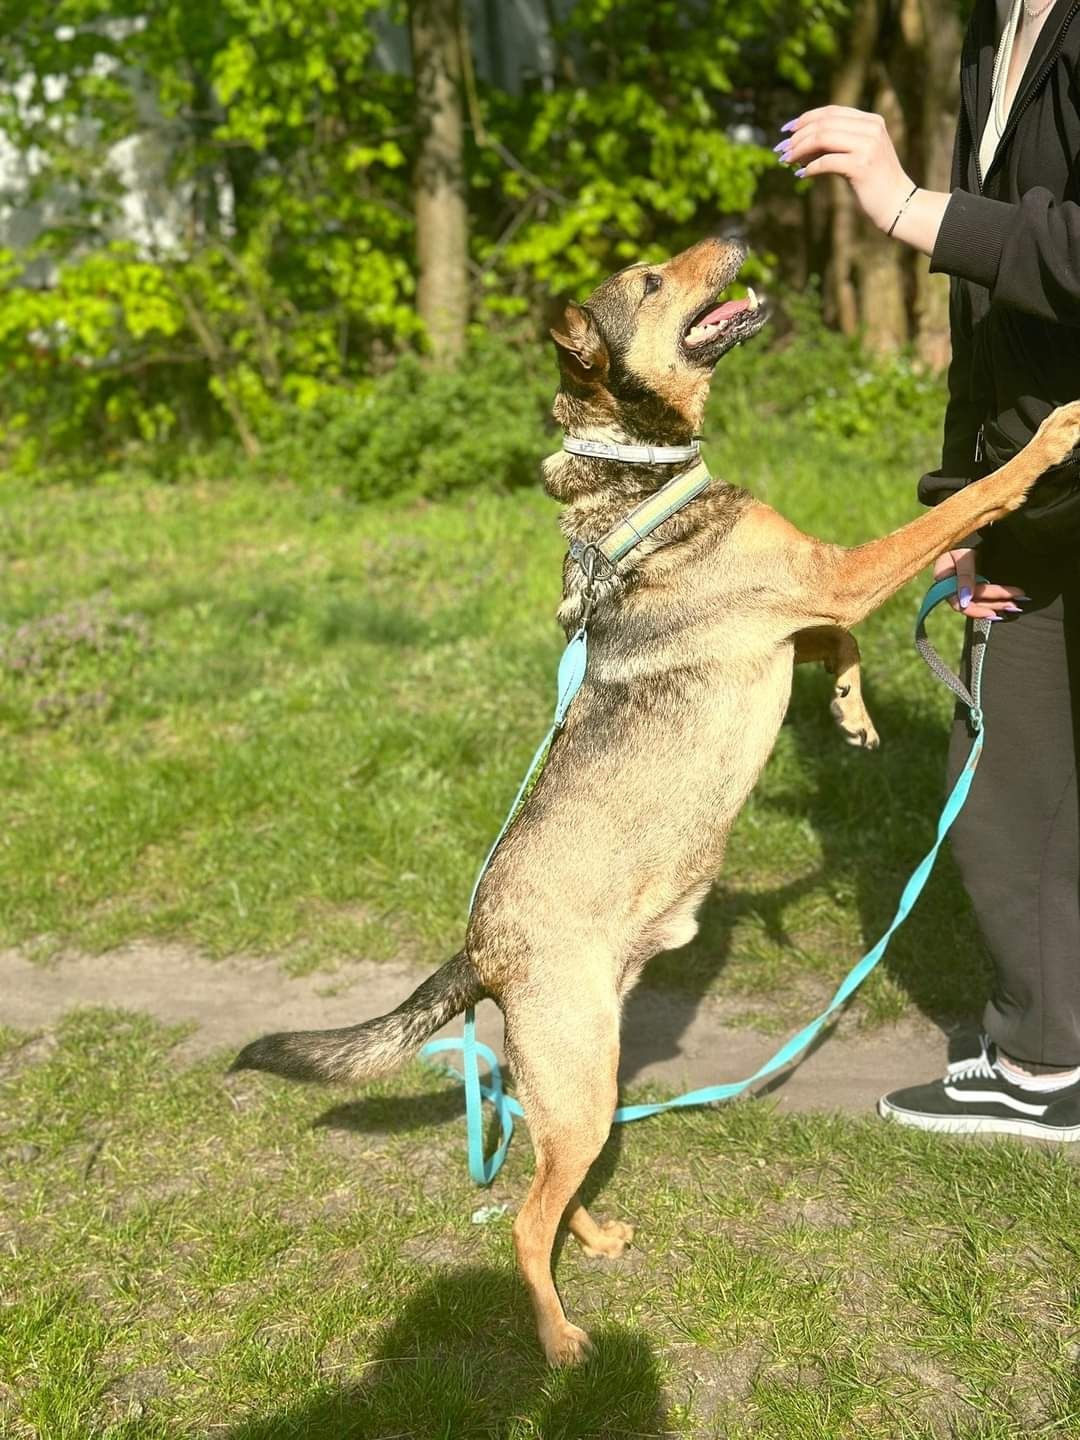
x=652, y=284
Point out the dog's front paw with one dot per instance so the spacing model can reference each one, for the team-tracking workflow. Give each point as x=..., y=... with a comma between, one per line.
x=1059, y=433
x=611, y=1242
x=568, y=1345
x=853, y=718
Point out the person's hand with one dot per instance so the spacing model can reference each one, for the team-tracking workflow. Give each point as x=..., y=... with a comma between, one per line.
x=836, y=140
x=978, y=601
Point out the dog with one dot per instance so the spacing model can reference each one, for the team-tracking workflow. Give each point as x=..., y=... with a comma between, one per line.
x=692, y=640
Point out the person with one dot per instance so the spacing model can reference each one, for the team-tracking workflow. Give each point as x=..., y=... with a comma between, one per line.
x=1008, y=235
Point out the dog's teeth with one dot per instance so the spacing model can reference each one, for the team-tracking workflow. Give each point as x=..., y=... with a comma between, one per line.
x=752, y=297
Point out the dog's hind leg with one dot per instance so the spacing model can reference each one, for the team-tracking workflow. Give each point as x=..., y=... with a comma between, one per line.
x=609, y=1239
x=837, y=651
x=564, y=1048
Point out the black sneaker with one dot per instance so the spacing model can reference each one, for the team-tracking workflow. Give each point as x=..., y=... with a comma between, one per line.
x=975, y=1098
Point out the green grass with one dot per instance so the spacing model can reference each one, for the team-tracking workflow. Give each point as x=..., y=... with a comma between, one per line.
x=259, y=718
x=186, y=1254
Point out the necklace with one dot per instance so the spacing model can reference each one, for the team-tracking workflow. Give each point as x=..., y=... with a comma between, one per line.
x=1001, y=66
x=1034, y=14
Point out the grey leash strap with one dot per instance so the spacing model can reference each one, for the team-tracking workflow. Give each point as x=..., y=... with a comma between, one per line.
x=980, y=633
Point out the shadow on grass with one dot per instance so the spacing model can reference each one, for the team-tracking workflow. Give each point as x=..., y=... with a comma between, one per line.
x=875, y=816
x=461, y=1360
x=388, y=1114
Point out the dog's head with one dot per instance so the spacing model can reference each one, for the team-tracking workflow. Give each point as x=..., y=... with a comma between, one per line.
x=640, y=353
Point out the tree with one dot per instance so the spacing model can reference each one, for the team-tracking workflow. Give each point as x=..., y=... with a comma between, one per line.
x=439, y=182
x=901, y=59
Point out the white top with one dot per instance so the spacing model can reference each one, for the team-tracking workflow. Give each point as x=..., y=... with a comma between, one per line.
x=1015, y=45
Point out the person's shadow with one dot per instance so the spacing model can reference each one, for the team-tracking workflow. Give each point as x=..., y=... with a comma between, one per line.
x=461, y=1362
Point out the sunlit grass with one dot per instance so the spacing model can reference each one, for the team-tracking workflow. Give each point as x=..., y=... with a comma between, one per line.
x=264, y=719
x=184, y=1254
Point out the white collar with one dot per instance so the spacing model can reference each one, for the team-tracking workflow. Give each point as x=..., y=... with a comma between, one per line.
x=633, y=454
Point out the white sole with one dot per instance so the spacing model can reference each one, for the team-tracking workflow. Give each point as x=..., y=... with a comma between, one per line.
x=976, y=1124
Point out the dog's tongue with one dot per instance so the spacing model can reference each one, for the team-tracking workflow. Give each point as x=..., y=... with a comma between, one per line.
x=724, y=312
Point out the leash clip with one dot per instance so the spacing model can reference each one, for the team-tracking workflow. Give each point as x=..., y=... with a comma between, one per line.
x=588, y=559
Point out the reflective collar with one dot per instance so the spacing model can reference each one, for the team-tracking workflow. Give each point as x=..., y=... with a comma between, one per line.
x=646, y=517
x=633, y=454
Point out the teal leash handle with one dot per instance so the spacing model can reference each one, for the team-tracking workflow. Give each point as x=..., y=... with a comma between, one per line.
x=571, y=674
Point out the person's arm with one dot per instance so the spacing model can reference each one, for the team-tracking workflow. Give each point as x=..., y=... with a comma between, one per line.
x=1026, y=254
x=836, y=140
x=962, y=420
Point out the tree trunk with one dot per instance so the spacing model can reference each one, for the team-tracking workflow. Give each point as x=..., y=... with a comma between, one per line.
x=848, y=85
x=902, y=58
x=442, y=237
x=883, y=265
x=942, y=38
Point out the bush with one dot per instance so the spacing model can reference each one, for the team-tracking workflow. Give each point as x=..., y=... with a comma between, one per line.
x=822, y=382
x=485, y=425
x=421, y=432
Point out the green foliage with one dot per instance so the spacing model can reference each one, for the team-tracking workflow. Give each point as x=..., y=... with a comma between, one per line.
x=649, y=136
x=262, y=150
x=827, y=384
x=416, y=431
x=273, y=222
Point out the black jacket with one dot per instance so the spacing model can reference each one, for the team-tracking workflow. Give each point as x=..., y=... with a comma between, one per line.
x=1010, y=239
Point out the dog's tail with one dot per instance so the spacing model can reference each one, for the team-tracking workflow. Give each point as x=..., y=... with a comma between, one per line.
x=360, y=1052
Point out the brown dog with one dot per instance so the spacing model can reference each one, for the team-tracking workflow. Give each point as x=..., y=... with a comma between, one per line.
x=692, y=643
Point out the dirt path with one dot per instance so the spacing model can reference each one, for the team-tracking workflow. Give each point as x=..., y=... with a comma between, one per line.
x=674, y=1040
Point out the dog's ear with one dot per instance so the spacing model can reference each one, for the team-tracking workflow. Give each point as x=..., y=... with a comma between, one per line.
x=583, y=356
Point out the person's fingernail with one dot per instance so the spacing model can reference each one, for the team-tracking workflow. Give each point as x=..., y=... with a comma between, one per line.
x=788, y=125
x=1013, y=609
x=779, y=149
x=1024, y=599
x=965, y=596
x=800, y=173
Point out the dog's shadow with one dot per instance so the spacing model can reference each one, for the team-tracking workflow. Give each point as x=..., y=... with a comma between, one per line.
x=460, y=1359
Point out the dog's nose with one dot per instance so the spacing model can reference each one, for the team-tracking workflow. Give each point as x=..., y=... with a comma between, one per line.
x=735, y=241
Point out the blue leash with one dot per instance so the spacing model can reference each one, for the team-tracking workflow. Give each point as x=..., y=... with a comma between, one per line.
x=571, y=674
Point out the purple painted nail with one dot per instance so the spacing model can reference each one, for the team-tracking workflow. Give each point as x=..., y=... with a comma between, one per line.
x=799, y=174
x=1024, y=599
x=965, y=596
x=993, y=619
x=779, y=149
x=787, y=125
x=1013, y=609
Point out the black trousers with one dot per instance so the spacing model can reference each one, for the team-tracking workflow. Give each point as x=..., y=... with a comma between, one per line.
x=1017, y=840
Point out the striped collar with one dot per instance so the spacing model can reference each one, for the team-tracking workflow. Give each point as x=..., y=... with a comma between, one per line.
x=646, y=517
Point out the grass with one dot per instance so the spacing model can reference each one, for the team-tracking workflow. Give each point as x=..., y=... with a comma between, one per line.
x=259, y=718
x=188, y=1254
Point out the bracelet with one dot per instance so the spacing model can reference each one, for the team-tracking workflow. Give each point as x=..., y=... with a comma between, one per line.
x=903, y=207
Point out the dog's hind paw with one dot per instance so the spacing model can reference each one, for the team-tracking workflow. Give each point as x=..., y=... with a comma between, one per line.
x=853, y=718
x=568, y=1345
x=611, y=1242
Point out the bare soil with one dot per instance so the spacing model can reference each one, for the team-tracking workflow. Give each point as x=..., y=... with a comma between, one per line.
x=670, y=1039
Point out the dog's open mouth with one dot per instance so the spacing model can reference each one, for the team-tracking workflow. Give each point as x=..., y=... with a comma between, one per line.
x=715, y=328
